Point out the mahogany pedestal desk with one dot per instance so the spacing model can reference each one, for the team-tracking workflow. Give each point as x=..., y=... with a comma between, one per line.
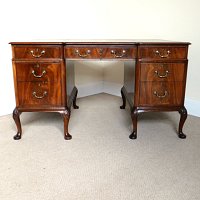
x=154, y=76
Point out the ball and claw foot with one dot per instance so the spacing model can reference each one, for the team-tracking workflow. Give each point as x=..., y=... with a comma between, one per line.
x=75, y=106
x=133, y=136
x=68, y=136
x=182, y=135
x=122, y=107
x=17, y=136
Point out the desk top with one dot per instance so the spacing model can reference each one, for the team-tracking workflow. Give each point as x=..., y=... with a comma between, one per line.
x=99, y=41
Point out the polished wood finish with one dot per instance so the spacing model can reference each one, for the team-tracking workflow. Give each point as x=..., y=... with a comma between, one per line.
x=39, y=94
x=161, y=52
x=37, y=52
x=38, y=71
x=154, y=76
x=40, y=82
x=161, y=93
x=162, y=71
x=160, y=79
x=16, y=118
x=101, y=52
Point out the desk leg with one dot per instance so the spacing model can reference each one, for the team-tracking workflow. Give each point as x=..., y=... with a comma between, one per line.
x=66, y=117
x=134, y=116
x=66, y=113
x=75, y=97
x=16, y=118
x=183, y=113
x=123, y=106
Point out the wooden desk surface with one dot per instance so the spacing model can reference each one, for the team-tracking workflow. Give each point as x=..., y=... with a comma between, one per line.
x=100, y=41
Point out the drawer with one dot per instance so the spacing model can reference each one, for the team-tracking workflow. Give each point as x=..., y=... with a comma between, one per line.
x=39, y=94
x=161, y=93
x=37, y=71
x=162, y=71
x=80, y=52
x=163, y=52
x=120, y=52
x=103, y=52
x=37, y=51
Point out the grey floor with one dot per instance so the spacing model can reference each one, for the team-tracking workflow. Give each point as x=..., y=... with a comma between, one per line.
x=100, y=162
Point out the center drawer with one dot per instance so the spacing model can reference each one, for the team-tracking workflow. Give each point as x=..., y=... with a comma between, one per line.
x=102, y=52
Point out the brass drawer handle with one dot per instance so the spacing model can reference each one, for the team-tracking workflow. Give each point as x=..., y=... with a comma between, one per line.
x=160, y=96
x=87, y=53
x=36, y=53
x=116, y=55
x=39, y=76
x=162, y=75
x=163, y=54
x=40, y=97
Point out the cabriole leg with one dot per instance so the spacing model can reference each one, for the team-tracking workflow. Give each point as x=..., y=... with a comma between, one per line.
x=74, y=100
x=123, y=100
x=183, y=117
x=66, y=117
x=16, y=118
x=134, y=116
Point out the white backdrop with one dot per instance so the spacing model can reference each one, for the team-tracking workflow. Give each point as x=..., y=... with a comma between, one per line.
x=24, y=20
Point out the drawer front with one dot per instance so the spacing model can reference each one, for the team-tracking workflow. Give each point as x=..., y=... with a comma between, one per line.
x=163, y=52
x=38, y=71
x=104, y=52
x=36, y=51
x=79, y=52
x=120, y=52
x=162, y=71
x=39, y=94
x=161, y=93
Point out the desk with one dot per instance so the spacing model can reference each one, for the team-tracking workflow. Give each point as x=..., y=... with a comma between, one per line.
x=154, y=81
